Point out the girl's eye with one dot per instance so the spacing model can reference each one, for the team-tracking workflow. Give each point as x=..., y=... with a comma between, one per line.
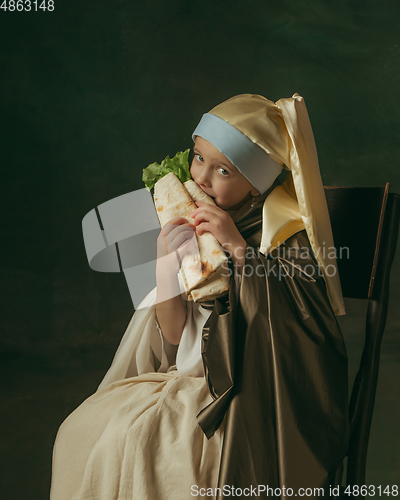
x=222, y=171
x=199, y=158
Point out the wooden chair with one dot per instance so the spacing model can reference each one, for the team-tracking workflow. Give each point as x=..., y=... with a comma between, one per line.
x=366, y=221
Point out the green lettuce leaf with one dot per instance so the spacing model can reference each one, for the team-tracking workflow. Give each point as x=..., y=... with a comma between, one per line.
x=179, y=165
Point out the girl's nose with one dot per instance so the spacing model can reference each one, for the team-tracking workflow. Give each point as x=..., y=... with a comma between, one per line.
x=203, y=178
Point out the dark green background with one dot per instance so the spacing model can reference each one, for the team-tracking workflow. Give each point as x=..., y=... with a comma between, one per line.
x=95, y=91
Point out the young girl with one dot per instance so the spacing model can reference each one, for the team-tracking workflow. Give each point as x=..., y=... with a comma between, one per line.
x=246, y=392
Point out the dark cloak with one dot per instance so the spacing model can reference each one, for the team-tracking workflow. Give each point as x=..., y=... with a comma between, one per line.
x=276, y=367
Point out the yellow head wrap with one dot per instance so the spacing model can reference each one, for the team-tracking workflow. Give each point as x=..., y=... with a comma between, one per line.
x=283, y=131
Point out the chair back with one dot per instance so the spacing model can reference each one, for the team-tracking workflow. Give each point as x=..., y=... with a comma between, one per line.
x=365, y=225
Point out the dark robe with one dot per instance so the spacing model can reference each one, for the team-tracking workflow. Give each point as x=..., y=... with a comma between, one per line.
x=276, y=366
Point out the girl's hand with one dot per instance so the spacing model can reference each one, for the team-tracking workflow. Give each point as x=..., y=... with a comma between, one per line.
x=215, y=220
x=175, y=235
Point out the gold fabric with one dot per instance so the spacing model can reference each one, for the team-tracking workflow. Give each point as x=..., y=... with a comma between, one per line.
x=284, y=132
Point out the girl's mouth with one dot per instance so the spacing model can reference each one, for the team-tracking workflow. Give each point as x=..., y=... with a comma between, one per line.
x=201, y=186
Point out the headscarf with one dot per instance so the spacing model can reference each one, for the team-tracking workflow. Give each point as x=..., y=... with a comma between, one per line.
x=260, y=137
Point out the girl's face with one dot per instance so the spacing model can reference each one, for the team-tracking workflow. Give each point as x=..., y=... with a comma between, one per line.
x=218, y=177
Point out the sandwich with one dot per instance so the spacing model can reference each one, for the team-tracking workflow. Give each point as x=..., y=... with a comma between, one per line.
x=204, y=272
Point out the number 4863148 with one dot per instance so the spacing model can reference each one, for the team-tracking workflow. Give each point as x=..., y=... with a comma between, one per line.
x=27, y=5
x=372, y=490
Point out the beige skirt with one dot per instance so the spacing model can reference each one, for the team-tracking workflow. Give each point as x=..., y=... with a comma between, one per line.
x=137, y=439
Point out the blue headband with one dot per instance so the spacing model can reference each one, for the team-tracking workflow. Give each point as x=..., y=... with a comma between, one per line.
x=251, y=161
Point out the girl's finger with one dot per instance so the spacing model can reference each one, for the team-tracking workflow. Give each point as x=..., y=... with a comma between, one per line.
x=204, y=227
x=184, y=228
x=168, y=230
x=181, y=239
x=176, y=237
x=207, y=208
x=205, y=217
x=184, y=234
x=171, y=224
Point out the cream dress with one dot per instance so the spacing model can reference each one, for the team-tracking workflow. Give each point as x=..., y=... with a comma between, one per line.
x=137, y=437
